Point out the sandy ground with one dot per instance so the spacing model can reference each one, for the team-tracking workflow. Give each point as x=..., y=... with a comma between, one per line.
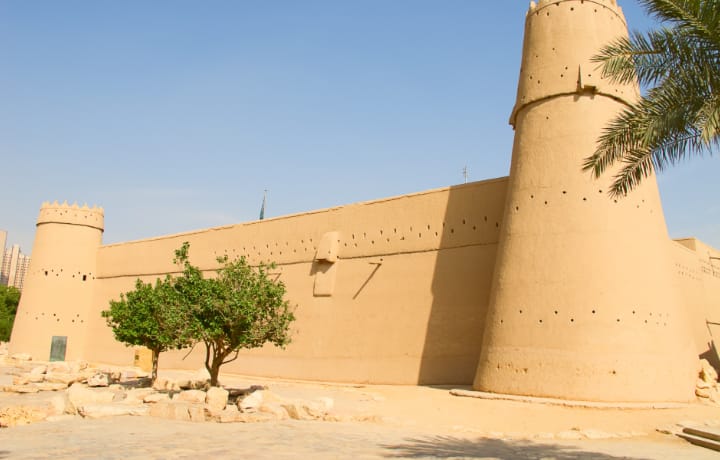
x=439, y=425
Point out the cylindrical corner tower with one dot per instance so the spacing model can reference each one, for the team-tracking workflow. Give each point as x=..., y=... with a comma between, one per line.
x=582, y=305
x=58, y=289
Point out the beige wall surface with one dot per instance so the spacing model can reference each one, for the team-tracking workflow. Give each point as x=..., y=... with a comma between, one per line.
x=697, y=274
x=60, y=282
x=403, y=302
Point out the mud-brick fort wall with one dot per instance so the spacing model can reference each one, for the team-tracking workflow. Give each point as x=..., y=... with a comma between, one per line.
x=388, y=291
x=538, y=284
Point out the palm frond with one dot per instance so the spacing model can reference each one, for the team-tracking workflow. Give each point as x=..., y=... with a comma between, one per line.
x=680, y=114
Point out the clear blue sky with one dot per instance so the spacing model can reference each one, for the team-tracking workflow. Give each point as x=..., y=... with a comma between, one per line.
x=175, y=115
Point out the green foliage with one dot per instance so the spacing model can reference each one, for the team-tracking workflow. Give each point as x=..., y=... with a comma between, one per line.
x=149, y=316
x=9, y=300
x=242, y=307
x=680, y=114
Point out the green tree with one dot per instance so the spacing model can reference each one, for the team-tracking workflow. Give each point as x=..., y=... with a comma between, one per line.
x=680, y=113
x=9, y=300
x=242, y=307
x=149, y=316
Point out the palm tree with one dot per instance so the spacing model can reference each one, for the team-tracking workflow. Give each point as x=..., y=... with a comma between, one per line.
x=679, y=115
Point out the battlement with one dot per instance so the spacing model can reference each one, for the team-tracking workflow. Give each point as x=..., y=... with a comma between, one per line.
x=72, y=214
x=561, y=36
x=545, y=3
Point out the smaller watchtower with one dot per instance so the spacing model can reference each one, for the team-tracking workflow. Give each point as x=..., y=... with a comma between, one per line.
x=58, y=291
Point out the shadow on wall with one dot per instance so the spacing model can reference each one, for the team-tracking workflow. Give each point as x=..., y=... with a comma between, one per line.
x=451, y=447
x=711, y=355
x=461, y=282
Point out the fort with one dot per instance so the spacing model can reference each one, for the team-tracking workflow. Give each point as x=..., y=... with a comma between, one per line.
x=538, y=283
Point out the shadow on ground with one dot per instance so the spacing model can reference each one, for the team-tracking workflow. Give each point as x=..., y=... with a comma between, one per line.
x=450, y=447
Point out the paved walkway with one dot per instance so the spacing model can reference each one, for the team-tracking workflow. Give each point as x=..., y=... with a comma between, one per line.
x=150, y=438
x=412, y=422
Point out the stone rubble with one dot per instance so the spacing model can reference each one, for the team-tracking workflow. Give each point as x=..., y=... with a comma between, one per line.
x=95, y=392
x=706, y=386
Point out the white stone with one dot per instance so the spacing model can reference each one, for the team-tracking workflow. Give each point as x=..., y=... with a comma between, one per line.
x=22, y=388
x=98, y=380
x=58, y=403
x=137, y=395
x=156, y=397
x=48, y=386
x=79, y=395
x=216, y=398
x=34, y=378
x=251, y=402
x=38, y=370
x=59, y=366
x=191, y=396
x=21, y=357
x=110, y=410
x=274, y=408
x=61, y=377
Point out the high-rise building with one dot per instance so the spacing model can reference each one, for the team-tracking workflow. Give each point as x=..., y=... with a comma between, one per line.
x=14, y=263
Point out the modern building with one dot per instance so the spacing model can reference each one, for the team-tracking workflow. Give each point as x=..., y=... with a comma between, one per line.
x=13, y=264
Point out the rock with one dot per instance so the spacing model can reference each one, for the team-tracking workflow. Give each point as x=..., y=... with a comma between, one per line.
x=192, y=396
x=59, y=366
x=58, y=404
x=22, y=389
x=137, y=395
x=20, y=380
x=229, y=414
x=597, y=434
x=297, y=411
x=174, y=410
x=156, y=397
x=216, y=398
x=78, y=395
x=707, y=372
x=325, y=403
x=61, y=377
x=164, y=384
x=38, y=370
x=702, y=392
x=47, y=386
x=700, y=383
x=251, y=402
x=21, y=357
x=197, y=413
x=94, y=411
x=275, y=409
x=34, y=378
x=14, y=416
x=98, y=380
x=185, y=384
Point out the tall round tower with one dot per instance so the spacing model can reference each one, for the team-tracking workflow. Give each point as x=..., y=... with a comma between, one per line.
x=57, y=294
x=582, y=304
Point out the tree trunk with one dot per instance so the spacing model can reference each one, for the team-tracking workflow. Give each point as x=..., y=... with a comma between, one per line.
x=214, y=370
x=155, y=359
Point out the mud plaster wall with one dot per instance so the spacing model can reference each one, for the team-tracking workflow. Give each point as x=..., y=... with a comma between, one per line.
x=697, y=272
x=397, y=292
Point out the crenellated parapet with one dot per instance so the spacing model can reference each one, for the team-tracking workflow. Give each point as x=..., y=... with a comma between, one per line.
x=555, y=59
x=72, y=214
